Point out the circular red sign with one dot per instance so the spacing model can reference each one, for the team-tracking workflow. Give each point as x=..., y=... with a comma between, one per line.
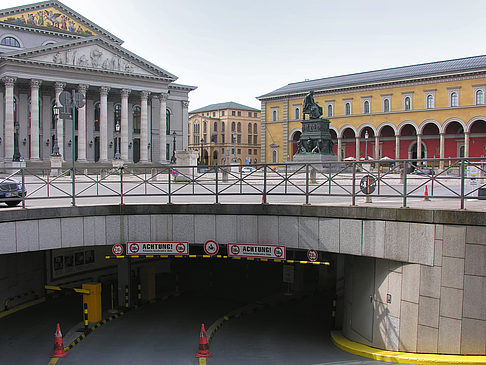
x=278, y=252
x=180, y=247
x=312, y=255
x=211, y=247
x=134, y=248
x=235, y=250
x=117, y=249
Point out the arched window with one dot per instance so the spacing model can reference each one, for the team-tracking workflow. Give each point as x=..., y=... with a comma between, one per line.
x=255, y=128
x=167, y=122
x=136, y=118
x=274, y=156
x=10, y=41
x=96, y=119
x=239, y=127
x=205, y=127
x=454, y=99
x=348, y=109
x=366, y=107
x=430, y=101
x=222, y=127
x=215, y=127
x=329, y=110
x=116, y=116
x=386, y=106
x=479, y=97
x=407, y=103
x=249, y=128
x=233, y=126
x=297, y=113
x=274, y=115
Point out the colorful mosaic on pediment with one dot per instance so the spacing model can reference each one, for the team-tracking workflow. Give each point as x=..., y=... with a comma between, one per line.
x=49, y=18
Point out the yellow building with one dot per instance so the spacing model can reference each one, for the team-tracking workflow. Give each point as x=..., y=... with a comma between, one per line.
x=224, y=132
x=433, y=110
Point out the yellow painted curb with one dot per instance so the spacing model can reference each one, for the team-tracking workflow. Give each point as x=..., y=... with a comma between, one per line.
x=22, y=306
x=402, y=357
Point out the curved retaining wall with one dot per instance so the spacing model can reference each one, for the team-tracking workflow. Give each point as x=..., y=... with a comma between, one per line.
x=414, y=280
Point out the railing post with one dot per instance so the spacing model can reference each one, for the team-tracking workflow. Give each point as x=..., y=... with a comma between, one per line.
x=265, y=184
x=405, y=173
x=307, y=184
x=73, y=172
x=462, y=182
x=169, y=186
x=23, y=188
x=217, y=186
x=353, y=199
x=121, y=185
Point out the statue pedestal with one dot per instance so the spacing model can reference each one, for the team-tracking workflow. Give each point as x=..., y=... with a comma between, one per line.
x=56, y=165
x=319, y=162
x=235, y=168
x=117, y=163
x=15, y=164
x=187, y=159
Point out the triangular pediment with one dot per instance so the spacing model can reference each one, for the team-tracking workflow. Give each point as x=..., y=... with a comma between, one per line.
x=53, y=16
x=92, y=53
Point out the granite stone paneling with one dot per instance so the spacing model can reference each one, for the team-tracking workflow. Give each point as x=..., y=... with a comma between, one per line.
x=429, y=312
x=449, y=336
x=7, y=238
x=381, y=280
x=454, y=241
x=183, y=228
x=427, y=339
x=100, y=230
x=411, y=282
x=139, y=228
x=476, y=234
x=394, y=289
x=421, y=246
x=160, y=230
x=373, y=238
x=204, y=228
x=72, y=232
x=268, y=229
x=329, y=234
x=396, y=240
x=288, y=231
x=49, y=234
x=350, y=232
x=453, y=272
x=113, y=229
x=27, y=236
x=473, y=337
x=89, y=231
x=309, y=233
x=438, y=253
x=474, y=297
x=439, y=231
x=246, y=229
x=225, y=229
x=408, y=326
x=392, y=339
x=451, y=302
x=475, y=260
x=430, y=279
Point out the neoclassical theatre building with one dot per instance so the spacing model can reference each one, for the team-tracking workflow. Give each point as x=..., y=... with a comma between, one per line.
x=433, y=110
x=46, y=48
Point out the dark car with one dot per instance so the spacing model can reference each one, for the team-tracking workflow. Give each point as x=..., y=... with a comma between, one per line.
x=424, y=171
x=9, y=190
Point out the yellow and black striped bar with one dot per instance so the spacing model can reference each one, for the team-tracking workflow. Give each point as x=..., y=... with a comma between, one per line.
x=85, y=317
x=303, y=262
x=60, y=288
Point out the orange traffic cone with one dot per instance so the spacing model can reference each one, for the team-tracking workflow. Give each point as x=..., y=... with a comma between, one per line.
x=263, y=196
x=203, y=350
x=58, y=345
x=426, y=194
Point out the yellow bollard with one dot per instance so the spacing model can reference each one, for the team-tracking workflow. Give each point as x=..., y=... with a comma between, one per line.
x=93, y=300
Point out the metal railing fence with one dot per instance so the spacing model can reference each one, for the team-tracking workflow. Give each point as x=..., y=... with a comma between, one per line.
x=399, y=181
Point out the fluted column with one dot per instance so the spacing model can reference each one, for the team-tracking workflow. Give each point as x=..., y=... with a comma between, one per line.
x=185, y=123
x=419, y=146
x=162, y=126
x=9, y=116
x=104, y=123
x=144, y=126
x=34, y=119
x=124, y=124
x=82, y=125
x=358, y=154
x=466, y=144
x=441, y=150
x=59, y=87
x=339, y=147
x=377, y=147
x=397, y=147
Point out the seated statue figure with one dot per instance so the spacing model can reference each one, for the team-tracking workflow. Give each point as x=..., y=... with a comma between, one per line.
x=311, y=107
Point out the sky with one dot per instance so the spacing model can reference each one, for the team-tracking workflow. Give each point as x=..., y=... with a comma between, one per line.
x=238, y=50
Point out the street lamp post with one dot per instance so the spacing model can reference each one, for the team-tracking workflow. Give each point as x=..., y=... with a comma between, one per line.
x=117, y=141
x=366, y=144
x=202, y=151
x=235, y=160
x=55, y=146
x=173, y=158
x=16, y=156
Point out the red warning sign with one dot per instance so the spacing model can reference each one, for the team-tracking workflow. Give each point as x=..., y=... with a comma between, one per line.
x=312, y=255
x=256, y=250
x=117, y=249
x=211, y=247
x=157, y=248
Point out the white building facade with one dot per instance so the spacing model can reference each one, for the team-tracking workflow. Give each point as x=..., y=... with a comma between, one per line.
x=132, y=106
